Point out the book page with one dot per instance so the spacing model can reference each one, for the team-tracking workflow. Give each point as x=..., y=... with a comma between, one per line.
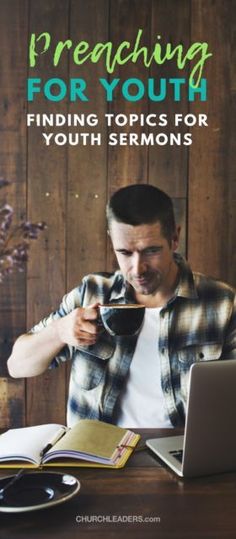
x=27, y=443
x=90, y=437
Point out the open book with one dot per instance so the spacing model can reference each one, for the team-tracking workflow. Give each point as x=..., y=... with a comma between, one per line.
x=88, y=443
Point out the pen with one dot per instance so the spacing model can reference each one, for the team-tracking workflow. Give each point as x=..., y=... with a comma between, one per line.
x=52, y=442
x=11, y=483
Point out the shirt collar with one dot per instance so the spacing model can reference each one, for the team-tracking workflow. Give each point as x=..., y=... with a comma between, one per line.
x=124, y=293
x=186, y=286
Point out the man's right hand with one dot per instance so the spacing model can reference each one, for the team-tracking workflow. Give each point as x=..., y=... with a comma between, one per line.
x=80, y=326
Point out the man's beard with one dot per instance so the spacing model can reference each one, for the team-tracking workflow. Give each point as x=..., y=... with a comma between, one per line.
x=146, y=284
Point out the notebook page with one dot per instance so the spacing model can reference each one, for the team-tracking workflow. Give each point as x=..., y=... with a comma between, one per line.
x=91, y=437
x=26, y=443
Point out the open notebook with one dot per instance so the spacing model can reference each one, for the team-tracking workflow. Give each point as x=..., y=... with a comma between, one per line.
x=88, y=443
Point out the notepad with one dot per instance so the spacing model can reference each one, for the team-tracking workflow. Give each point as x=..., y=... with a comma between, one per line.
x=88, y=443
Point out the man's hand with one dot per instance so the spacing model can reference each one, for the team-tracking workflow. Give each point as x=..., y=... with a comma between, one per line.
x=80, y=326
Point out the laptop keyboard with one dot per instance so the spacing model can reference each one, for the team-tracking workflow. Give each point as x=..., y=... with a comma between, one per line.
x=178, y=454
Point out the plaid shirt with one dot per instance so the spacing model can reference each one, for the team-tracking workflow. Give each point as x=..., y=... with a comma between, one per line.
x=197, y=324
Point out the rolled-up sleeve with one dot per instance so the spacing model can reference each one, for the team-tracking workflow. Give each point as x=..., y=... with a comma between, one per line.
x=70, y=301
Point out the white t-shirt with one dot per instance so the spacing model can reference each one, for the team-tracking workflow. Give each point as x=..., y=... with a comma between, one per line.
x=142, y=403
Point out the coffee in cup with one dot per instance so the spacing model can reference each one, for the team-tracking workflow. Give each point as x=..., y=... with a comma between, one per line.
x=122, y=319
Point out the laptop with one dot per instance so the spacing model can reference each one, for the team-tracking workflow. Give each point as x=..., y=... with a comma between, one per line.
x=208, y=445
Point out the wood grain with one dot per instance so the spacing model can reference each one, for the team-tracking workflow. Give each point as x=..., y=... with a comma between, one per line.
x=211, y=220
x=144, y=499
x=47, y=187
x=128, y=164
x=13, y=70
x=168, y=164
x=87, y=165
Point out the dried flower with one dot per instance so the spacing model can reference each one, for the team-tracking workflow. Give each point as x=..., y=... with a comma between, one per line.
x=15, y=239
x=3, y=182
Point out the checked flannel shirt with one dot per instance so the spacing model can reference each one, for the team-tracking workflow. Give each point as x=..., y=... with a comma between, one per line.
x=197, y=324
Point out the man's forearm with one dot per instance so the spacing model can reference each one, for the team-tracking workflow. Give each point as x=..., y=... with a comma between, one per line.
x=33, y=353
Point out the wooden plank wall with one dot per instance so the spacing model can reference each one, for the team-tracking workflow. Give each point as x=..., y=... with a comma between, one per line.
x=13, y=165
x=47, y=193
x=211, y=181
x=68, y=186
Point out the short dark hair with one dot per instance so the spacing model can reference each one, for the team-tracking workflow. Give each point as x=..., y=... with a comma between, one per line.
x=140, y=204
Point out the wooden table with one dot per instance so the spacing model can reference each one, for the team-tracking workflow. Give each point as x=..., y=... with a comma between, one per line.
x=145, y=489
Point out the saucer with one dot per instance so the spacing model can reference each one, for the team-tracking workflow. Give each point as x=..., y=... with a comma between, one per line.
x=38, y=490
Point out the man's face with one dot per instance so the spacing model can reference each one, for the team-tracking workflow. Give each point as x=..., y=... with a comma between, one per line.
x=144, y=255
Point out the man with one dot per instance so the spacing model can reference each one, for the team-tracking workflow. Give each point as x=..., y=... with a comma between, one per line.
x=135, y=381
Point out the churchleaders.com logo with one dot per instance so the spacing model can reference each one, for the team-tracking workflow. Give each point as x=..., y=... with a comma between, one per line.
x=117, y=519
